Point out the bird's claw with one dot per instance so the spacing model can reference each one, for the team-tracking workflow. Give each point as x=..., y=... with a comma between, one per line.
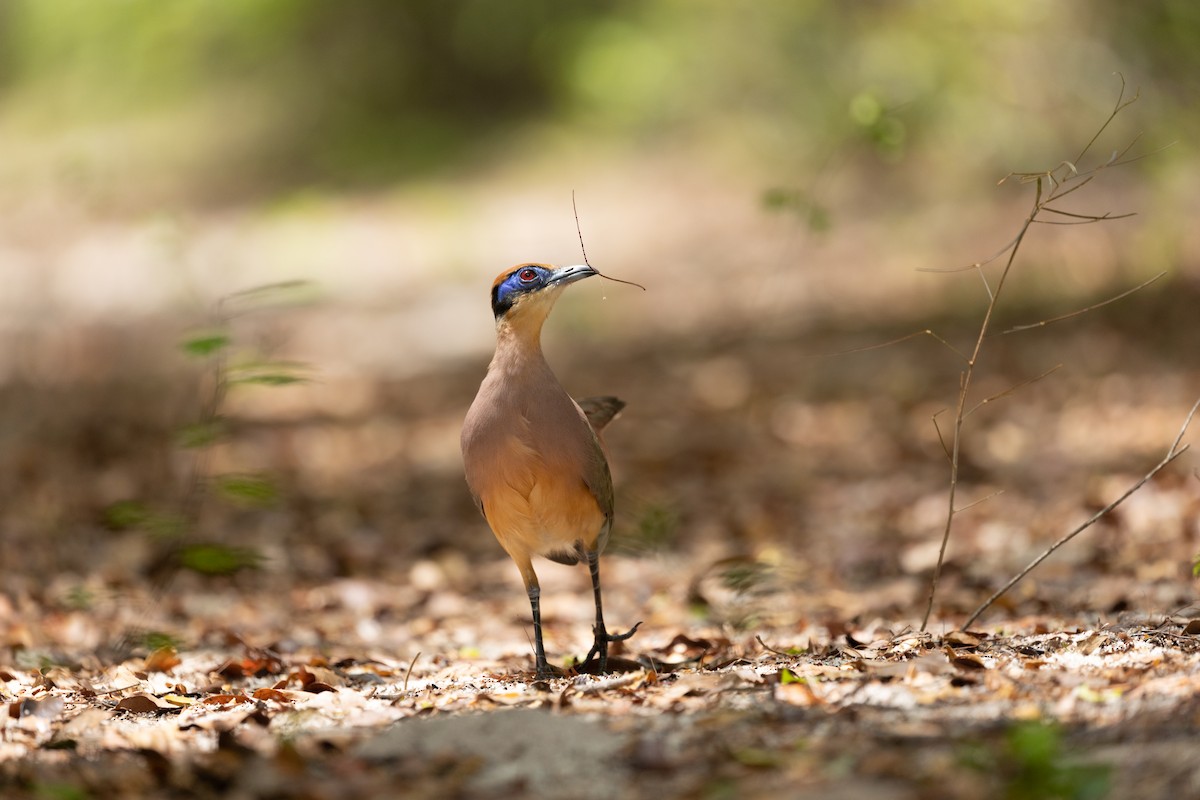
x=620, y=637
x=606, y=637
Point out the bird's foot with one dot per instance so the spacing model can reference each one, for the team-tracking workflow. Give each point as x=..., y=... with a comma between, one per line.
x=620, y=637
x=600, y=646
x=545, y=672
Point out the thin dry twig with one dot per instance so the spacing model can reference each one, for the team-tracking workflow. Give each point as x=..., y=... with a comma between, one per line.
x=941, y=438
x=1050, y=186
x=579, y=230
x=411, y=664
x=866, y=348
x=1012, y=389
x=1089, y=217
x=1174, y=452
x=976, y=265
x=959, y=416
x=769, y=649
x=983, y=499
x=1043, y=323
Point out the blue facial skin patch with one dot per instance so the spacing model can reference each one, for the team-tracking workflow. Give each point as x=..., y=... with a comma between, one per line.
x=522, y=280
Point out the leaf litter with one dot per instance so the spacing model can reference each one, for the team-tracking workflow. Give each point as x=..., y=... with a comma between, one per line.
x=777, y=561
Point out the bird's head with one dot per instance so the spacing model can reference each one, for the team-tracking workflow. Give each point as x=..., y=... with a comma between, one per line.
x=528, y=291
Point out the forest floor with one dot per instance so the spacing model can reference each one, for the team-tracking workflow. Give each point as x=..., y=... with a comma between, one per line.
x=779, y=514
x=778, y=522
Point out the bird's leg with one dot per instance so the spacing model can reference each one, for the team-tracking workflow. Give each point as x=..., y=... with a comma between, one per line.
x=542, y=668
x=602, y=636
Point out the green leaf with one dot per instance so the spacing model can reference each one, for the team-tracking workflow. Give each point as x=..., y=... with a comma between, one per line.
x=293, y=292
x=201, y=434
x=131, y=515
x=787, y=676
x=216, y=559
x=268, y=373
x=779, y=198
x=125, y=514
x=1034, y=743
x=657, y=526
x=202, y=345
x=165, y=526
x=756, y=757
x=270, y=379
x=57, y=790
x=155, y=640
x=248, y=490
x=80, y=598
x=1196, y=567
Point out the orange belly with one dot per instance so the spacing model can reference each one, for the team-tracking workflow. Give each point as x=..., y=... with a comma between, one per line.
x=535, y=510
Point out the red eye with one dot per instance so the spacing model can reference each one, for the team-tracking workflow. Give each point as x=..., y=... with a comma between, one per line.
x=527, y=275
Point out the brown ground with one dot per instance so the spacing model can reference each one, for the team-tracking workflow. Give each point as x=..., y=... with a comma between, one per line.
x=778, y=517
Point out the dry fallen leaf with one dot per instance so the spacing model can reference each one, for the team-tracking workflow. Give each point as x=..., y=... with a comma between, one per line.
x=164, y=659
x=271, y=694
x=144, y=703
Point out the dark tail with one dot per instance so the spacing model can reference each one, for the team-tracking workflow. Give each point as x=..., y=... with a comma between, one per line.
x=601, y=410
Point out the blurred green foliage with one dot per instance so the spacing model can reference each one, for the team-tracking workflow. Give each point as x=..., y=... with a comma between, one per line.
x=213, y=559
x=249, y=491
x=1032, y=762
x=298, y=92
x=202, y=345
x=333, y=91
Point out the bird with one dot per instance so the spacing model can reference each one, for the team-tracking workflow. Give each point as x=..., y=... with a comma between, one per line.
x=533, y=457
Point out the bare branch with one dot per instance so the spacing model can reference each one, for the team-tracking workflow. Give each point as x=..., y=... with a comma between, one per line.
x=1117, y=155
x=1140, y=156
x=1011, y=389
x=983, y=499
x=977, y=264
x=941, y=438
x=1050, y=186
x=1083, y=221
x=1117, y=108
x=1082, y=183
x=1173, y=453
x=964, y=388
x=881, y=345
x=986, y=286
x=1043, y=323
x=1089, y=217
x=411, y=664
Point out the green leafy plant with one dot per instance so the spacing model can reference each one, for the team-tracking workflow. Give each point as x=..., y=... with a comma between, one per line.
x=156, y=640
x=1033, y=764
x=230, y=364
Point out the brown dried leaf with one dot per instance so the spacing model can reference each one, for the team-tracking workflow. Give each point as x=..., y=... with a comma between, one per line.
x=44, y=708
x=797, y=693
x=959, y=639
x=316, y=687
x=1094, y=642
x=255, y=664
x=968, y=662
x=164, y=659
x=143, y=703
x=271, y=694
x=320, y=674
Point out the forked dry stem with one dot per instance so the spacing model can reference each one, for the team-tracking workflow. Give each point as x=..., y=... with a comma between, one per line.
x=1050, y=186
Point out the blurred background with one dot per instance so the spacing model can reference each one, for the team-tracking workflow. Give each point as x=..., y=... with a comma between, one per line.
x=776, y=174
